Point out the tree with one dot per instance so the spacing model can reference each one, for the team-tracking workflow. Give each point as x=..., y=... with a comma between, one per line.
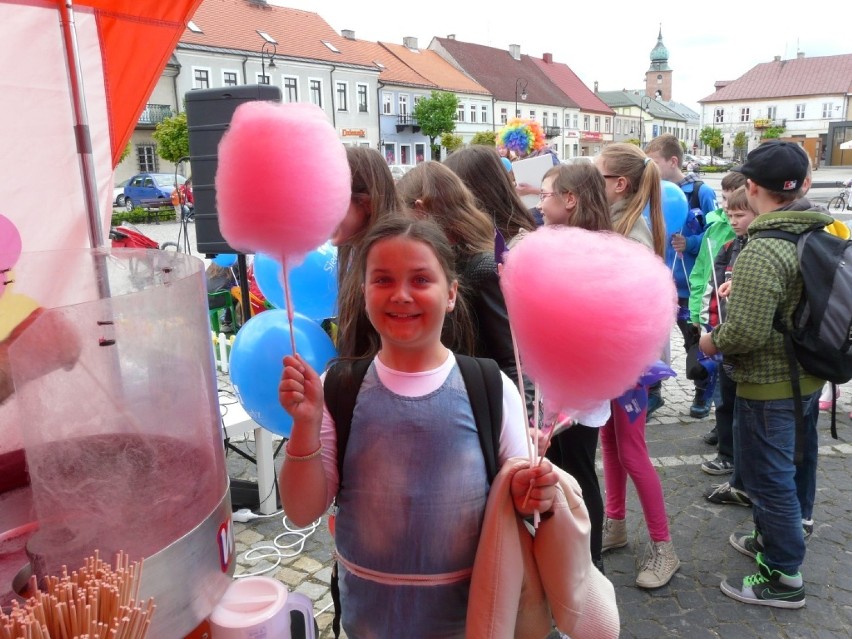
x=772, y=132
x=452, y=142
x=172, y=138
x=436, y=115
x=633, y=141
x=126, y=152
x=485, y=138
x=712, y=137
x=740, y=145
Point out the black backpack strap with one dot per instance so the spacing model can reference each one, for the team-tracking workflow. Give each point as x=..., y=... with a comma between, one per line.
x=485, y=391
x=695, y=196
x=340, y=390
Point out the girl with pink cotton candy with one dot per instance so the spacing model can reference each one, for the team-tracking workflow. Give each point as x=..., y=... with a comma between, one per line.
x=414, y=486
x=632, y=181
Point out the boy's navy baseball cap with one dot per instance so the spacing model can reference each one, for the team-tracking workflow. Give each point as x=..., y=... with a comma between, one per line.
x=777, y=166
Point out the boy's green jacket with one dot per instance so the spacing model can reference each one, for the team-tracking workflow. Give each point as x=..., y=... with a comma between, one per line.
x=718, y=232
x=766, y=278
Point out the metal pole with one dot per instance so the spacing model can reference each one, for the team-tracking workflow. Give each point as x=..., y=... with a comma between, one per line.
x=81, y=124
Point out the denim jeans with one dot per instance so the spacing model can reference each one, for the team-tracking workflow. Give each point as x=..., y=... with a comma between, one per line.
x=781, y=492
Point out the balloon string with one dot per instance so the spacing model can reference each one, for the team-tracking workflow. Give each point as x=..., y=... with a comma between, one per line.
x=521, y=391
x=285, y=275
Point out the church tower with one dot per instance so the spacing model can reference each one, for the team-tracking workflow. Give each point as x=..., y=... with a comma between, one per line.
x=658, y=77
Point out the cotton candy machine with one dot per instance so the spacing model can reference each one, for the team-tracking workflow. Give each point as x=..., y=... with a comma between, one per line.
x=115, y=412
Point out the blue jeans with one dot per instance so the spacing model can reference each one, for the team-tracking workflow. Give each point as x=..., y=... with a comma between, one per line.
x=781, y=492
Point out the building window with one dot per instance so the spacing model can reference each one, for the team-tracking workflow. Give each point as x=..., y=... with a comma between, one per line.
x=504, y=115
x=719, y=116
x=484, y=113
x=362, y=98
x=460, y=114
x=405, y=154
x=387, y=103
x=201, y=79
x=745, y=114
x=417, y=99
x=229, y=78
x=544, y=118
x=617, y=125
x=532, y=114
x=403, y=104
x=554, y=120
x=291, y=89
x=473, y=113
x=342, y=96
x=316, y=92
x=146, y=156
x=419, y=153
x=771, y=112
x=567, y=120
x=827, y=108
x=597, y=123
x=575, y=117
x=586, y=123
x=800, y=111
x=262, y=79
x=607, y=125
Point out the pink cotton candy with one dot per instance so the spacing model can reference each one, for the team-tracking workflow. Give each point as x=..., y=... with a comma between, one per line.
x=283, y=183
x=590, y=311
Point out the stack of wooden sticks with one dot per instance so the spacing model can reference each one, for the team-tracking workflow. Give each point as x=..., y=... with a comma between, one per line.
x=96, y=602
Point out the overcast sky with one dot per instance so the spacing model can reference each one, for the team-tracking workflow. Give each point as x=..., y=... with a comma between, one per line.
x=610, y=42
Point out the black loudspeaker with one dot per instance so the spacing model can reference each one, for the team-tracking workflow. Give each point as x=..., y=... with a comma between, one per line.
x=208, y=115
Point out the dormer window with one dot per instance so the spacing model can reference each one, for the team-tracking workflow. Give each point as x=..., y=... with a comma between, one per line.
x=330, y=46
x=193, y=27
x=267, y=37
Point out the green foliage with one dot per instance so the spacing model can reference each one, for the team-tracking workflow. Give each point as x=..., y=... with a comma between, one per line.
x=634, y=141
x=712, y=137
x=140, y=216
x=126, y=152
x=436, y=115
x=740, y=144
x=772, y=132
x=485, y=138
x=172, y=138
x=452, y=142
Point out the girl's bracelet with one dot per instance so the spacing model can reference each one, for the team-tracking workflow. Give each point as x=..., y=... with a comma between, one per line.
x=299, y=458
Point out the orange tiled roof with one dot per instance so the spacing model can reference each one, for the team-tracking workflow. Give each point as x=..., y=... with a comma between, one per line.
x=234, y=24
x=433, y=67
x=562, y=76
x=787, y=78
x=395, y=70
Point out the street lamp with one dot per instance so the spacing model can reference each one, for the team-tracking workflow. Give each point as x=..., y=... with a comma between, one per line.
x=644, y=106
x=268, y=50
x=520, y=89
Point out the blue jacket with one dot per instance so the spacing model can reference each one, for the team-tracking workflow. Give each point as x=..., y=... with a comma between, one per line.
x=694, y=234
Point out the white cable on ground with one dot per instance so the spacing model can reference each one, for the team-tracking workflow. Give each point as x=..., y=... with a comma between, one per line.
x=279, y=550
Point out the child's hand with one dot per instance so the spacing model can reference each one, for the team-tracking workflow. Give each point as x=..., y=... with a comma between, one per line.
x=543, y=441
x=300, y=390
x=678, y=242
x=540, y=498
x=725, y=289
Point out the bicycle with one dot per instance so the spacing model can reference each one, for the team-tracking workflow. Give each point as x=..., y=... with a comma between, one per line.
x=839, y=203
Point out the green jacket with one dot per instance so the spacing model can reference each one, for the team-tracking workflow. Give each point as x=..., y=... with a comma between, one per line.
x=765, y=278
x=718, y=232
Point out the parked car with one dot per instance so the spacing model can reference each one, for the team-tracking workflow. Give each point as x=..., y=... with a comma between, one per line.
x=688, y=157
x=118, y=193
x=149, y=186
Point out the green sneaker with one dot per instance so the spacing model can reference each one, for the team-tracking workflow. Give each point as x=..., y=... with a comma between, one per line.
x=768, y=587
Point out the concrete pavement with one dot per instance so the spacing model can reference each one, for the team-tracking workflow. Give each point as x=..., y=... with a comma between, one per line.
x=692, y=604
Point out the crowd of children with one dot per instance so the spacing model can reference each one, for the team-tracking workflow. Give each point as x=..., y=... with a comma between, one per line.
x=419, y=286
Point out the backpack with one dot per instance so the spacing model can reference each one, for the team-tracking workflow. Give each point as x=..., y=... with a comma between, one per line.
x=820, y=339
x=695, y=215
x=484, y=385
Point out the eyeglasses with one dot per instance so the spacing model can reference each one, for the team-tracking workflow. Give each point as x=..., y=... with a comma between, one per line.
x=545, y=194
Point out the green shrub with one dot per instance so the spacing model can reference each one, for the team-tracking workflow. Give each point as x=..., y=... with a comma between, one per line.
x=140, y=216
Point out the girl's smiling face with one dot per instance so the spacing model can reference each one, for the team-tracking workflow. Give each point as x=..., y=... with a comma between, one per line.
x=407, y=296
x=556, y=207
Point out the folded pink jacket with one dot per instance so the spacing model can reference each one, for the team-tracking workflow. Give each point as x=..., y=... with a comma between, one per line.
x=523, y=584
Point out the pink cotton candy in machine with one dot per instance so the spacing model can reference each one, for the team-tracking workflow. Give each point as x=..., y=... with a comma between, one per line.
x=113, y=407
x=260, y=608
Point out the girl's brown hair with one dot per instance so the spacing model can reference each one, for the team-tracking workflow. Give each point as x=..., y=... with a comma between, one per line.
x=643, y=180
x=374, y=191
x=433, y=189
x=482, y=171
x=588, y=186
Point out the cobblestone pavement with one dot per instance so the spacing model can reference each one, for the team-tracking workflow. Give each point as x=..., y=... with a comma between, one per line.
x=692, y=604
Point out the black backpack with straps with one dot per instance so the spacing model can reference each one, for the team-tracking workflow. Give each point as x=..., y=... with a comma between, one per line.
x=484, y=385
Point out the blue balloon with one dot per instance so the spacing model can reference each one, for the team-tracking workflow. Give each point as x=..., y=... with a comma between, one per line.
x=256, y=356
x=675, y=209
x=225, y=260
x=313, y=283
x=507, y=163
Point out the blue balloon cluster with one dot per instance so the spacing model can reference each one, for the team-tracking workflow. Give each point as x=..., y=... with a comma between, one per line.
x=675, y=209
x=256, y=363
x=313, y=283
x=225, y=260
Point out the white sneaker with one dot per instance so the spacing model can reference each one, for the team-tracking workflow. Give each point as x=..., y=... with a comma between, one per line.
x=659, y=566
x=614, y=534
